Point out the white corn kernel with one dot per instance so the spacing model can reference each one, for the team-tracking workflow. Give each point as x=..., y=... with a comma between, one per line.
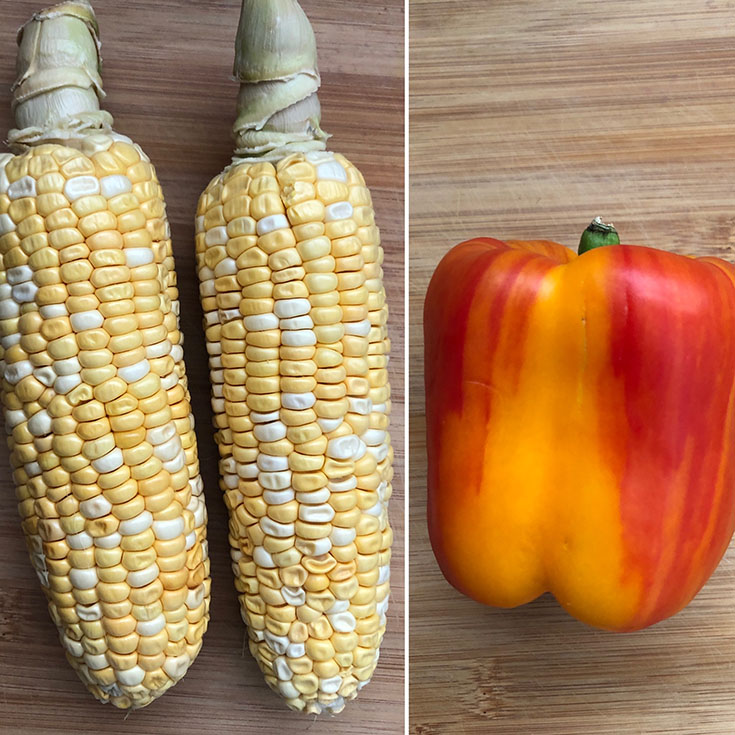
x=81, y=186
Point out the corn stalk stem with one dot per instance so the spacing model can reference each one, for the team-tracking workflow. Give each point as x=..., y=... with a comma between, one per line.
x=278, y=109
x=57, y=93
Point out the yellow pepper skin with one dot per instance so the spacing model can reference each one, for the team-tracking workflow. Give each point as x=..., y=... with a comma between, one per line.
x=580, y=426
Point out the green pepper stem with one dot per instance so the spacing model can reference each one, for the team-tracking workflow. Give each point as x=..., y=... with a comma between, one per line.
x=596, y=235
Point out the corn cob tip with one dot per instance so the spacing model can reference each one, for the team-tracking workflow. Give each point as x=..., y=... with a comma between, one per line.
x=276, y=64
x=58, y=88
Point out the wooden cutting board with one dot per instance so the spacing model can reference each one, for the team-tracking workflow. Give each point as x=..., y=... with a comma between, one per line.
x=167, y=74
x=528, y=119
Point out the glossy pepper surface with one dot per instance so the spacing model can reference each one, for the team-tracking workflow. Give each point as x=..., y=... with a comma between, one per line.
x=580, y=425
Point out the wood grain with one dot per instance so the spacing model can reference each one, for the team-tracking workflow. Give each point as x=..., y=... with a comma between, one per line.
x=167, y=74
x=527, y=119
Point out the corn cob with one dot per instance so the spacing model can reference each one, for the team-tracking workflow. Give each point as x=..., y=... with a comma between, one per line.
x=93, y=385
x=289, y=262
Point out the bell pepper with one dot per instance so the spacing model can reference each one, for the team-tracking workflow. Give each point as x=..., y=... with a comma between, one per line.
x=580, y=425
